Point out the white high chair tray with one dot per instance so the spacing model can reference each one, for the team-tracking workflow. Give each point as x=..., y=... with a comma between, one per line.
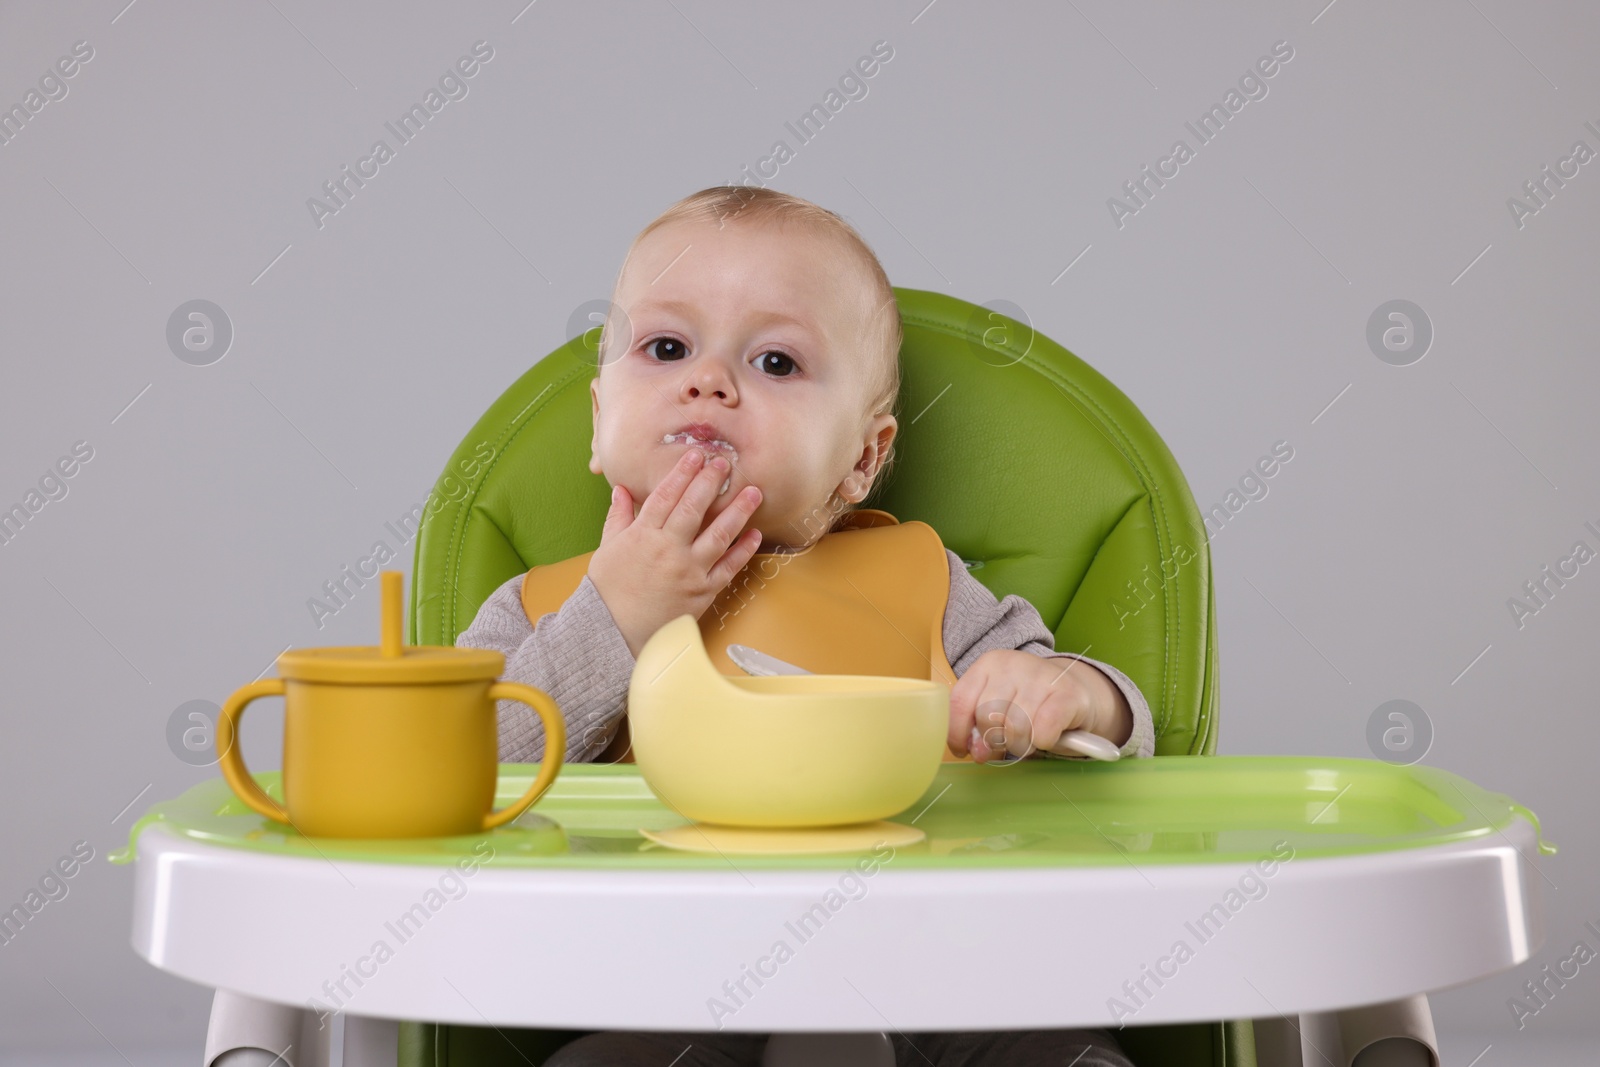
x=1058, y=912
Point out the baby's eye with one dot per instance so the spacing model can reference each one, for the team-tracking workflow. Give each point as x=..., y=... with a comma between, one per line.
x=777, y=364
x=672, y=348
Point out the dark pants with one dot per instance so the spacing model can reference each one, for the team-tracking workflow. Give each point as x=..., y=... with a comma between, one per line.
x=1031, y=1048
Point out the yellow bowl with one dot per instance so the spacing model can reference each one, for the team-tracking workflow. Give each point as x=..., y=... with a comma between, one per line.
x=790, y=750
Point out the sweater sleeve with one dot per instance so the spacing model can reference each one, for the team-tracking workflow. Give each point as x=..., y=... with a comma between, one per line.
x=575, y=654
x=976, y=622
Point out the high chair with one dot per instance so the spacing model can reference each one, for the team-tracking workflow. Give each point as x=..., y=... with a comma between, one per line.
x=1049, y=483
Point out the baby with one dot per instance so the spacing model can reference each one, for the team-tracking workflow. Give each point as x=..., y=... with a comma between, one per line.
x=742, y=411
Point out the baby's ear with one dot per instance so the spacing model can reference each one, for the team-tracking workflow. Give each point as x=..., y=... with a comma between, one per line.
x=876, y=452
x=858, y=483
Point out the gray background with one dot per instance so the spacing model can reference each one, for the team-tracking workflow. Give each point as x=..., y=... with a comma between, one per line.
x=1232, y=309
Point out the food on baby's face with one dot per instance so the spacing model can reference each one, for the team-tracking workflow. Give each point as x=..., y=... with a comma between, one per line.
x=710, y=447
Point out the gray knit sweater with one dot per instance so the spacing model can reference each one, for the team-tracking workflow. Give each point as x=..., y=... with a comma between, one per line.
x=578, y=656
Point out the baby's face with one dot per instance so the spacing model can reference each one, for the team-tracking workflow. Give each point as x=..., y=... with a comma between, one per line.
x=752, y=343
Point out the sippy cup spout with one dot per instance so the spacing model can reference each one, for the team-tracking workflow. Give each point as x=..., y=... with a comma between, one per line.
x=391, y=641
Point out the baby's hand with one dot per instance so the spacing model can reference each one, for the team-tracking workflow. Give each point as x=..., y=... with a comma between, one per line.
x=1021, y=703
x=651, y=568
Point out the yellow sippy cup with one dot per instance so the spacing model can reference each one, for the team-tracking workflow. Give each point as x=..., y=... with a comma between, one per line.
x=391, y=741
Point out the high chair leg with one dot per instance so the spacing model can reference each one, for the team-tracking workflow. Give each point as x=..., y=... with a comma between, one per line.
x=287, y=1035
x=1398, y=1033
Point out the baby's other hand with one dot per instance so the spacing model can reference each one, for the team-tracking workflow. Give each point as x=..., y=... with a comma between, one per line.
x=1022, y=703
x=655, y=566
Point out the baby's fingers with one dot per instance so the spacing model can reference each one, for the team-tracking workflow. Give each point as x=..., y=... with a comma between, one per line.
x=664, y=499
x=683, y=521
x=984, y=701
x=963, y=707
x=723, y=530
x=733, y=560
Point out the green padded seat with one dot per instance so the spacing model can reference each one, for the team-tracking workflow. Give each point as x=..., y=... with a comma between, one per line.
x=1033, y=468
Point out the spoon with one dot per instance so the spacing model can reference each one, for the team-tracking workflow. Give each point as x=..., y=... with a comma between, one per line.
x=1083, y=742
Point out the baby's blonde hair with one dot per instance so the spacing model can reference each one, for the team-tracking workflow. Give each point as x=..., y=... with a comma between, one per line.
x=753, y=205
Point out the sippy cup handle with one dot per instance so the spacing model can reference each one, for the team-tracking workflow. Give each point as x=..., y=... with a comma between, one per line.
x=555, y=747
x=233, y=768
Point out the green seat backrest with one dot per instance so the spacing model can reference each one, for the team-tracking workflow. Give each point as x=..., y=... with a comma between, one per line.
x=1031, y=466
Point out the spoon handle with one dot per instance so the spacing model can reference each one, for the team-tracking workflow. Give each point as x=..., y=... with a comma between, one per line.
x=1083, y=742
x=1087, y=743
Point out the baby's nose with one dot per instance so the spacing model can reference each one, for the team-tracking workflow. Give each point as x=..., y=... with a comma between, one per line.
x=708, y=379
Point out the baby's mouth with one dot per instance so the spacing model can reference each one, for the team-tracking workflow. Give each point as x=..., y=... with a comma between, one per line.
x=709, y=447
